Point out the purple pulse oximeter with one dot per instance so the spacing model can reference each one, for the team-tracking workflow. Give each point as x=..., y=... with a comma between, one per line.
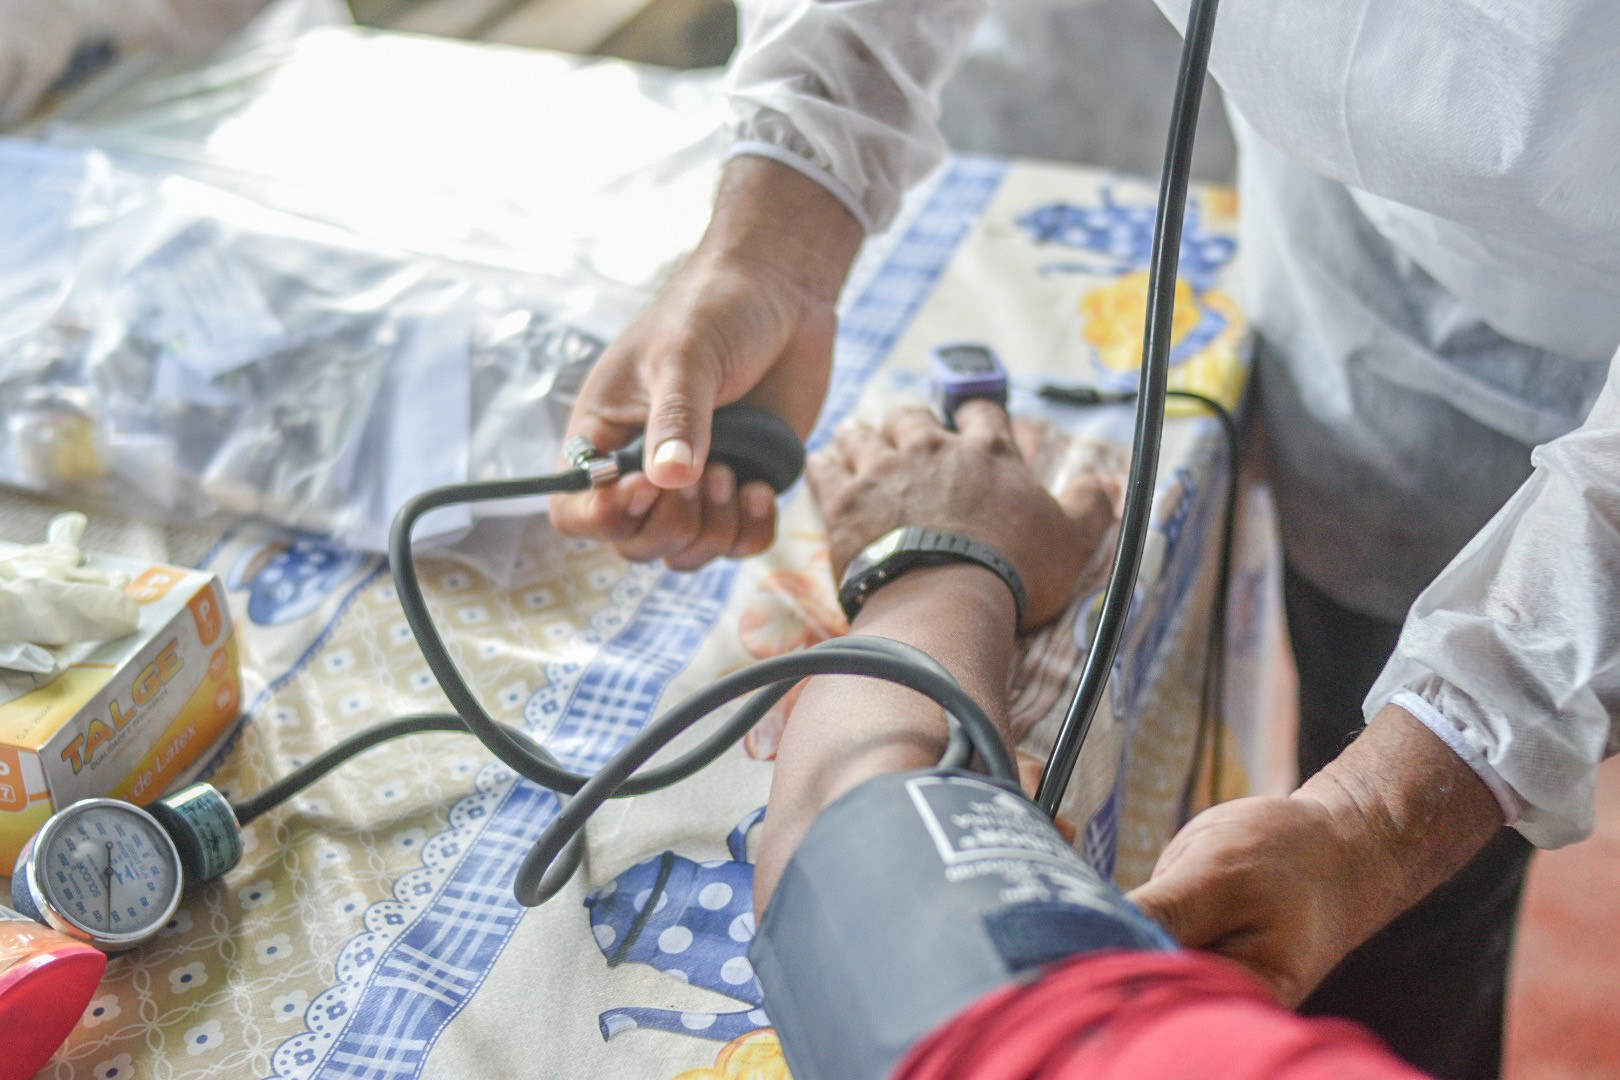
x=962, y=372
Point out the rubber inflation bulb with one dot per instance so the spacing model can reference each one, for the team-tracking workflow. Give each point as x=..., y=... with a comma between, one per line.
x=758, y=445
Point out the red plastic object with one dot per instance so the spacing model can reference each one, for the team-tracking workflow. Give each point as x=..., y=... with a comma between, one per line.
x=46, y=980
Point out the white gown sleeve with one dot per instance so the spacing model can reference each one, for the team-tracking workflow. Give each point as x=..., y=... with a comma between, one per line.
x=848, y=93
x=1512, y=656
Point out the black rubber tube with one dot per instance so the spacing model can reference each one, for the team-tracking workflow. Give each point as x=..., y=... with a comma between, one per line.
x=1156, y=344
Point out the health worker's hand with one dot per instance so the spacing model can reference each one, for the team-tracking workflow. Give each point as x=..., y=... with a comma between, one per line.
x=1287, y=887
x=1268, y=882
x=975, y=481
x=750, y=316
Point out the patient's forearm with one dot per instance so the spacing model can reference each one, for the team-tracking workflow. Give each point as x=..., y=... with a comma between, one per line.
x=845, y=729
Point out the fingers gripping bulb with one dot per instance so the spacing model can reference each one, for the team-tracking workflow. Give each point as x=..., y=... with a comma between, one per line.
x=758, y=445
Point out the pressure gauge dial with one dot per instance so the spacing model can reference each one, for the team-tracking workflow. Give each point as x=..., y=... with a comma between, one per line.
x=103, y=871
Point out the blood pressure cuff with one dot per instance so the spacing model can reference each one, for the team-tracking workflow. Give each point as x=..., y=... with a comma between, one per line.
x=913, y=896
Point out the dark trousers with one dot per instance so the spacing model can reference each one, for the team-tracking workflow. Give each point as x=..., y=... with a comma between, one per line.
x=1433, y=984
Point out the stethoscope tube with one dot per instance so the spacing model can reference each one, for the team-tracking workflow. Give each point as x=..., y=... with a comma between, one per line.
x=1138, y=509
x=556, y=853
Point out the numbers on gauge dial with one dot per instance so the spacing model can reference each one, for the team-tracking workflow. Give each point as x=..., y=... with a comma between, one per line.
x=109, y=871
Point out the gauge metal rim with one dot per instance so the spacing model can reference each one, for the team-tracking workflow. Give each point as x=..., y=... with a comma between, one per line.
x=59, y=921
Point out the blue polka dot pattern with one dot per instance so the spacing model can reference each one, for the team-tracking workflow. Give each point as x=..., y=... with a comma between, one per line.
x=692, y=921
x=293, y=577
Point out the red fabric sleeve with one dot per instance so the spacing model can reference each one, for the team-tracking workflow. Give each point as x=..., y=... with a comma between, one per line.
x=1145, y=1016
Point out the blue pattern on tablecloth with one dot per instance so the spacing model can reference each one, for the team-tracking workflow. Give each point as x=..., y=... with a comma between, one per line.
x=693, y=921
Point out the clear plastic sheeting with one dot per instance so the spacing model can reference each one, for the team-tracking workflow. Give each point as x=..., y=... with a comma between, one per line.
x=514, y=157
x=178, y=351
x=191, y=324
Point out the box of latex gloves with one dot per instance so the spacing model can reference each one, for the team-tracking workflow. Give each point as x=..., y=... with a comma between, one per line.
x=116, y=676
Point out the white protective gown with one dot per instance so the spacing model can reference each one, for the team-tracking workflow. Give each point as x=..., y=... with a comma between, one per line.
x=1432, y=251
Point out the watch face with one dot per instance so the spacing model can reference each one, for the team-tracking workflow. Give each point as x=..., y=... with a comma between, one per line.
x=881, y=549
x=108, y=870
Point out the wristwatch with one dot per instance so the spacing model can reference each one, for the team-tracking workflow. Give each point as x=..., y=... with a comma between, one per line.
x=913, y=547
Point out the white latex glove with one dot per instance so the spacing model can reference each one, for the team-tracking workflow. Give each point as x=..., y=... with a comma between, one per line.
x=50, y=600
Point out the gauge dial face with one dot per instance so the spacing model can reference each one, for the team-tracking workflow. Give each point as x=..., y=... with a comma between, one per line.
x=109, y=869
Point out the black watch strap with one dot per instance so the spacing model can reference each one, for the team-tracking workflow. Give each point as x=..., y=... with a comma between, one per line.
x=913, y=547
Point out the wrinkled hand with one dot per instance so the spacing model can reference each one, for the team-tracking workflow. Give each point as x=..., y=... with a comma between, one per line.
x=913, y=472
x=1288, y=887
x=751, y=315
x=1267, y=882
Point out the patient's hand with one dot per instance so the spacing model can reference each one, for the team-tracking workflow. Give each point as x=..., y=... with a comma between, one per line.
x=913, y=472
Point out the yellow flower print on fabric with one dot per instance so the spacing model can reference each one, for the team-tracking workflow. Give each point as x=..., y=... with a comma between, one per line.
x=1210, y=324
x=754, y=1056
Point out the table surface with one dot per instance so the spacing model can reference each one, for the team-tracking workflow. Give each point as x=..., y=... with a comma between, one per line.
x=370, y=929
